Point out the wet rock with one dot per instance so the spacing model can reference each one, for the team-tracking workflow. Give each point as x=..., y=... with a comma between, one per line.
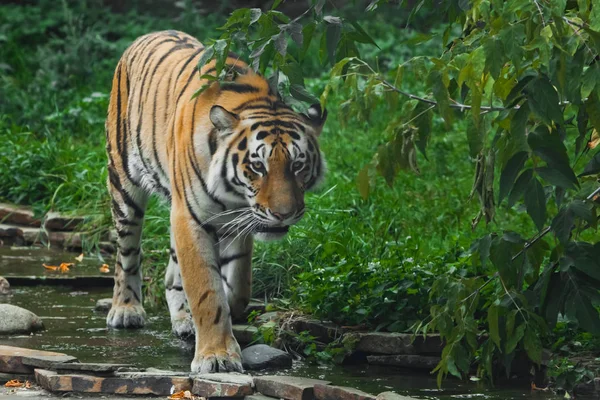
x=392, y=396
x=589, y=389
x=103, y=305
x=327, y=392
x=65, y=240
x=324, y=332
x=4, y=286
x=156, y=385
x=15, y=319
x=256, y=305
x=398, y=343
x=244, y=334
x=10, y=233
x=258, y=396
x=55, y=221
x=89, y=367
x=223, y=385
x=5, y=377
x=287, y=387
x=261, y=356
x=12, y=359
x=107, y=247
x=406, y=361
x=11, y=214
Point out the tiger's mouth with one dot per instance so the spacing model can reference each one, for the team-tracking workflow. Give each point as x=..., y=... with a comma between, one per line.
x=271, y=229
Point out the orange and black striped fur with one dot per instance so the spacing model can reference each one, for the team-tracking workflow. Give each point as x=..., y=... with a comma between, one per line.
x=233, y=163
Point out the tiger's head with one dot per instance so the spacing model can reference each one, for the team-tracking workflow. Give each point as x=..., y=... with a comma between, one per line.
x=270, y=158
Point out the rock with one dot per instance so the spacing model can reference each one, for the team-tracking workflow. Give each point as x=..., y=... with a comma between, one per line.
x=327, y=392
x=407, y=361
x=287, y=387
x=156, y=385
x=103, y=305
x=255, y=305
x=589, y=389
x=397, y=343
x=223, y=385
x=244, y=334
x=89, y=367
x=55, y=221
x=4, y=286
x=261, y=356
x=10, y=232
x=5, y=377
x=15, y=319
x=392, y=396
x=107, y=247
x=268, y=316
x=258, y=396
x=65, y=240
x=324, y=332
x=11, y=359
x=11, y=214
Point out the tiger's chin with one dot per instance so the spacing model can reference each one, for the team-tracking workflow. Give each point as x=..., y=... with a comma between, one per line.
x=266, y=233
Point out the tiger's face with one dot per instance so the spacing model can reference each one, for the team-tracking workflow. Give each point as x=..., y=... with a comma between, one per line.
x=271, y=160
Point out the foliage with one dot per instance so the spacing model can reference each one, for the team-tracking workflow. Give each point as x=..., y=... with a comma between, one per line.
x=524, y=76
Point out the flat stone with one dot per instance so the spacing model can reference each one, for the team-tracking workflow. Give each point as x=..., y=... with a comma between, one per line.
x=55, y=221
x=244, y=334
x=11, y=358
x=392, y=396
x=327, y=392
x=10, y=231
x=256, y=305
x=130, y=372
x=223, y=385
x=89, y=367
x=4, y=286
x=258, y=396
x=406, y=361
x=398, y=343
x=65, y=240
x=325, y=332
x=103, y=304
x=12, y=214
x=15, y=319
x=156, y=385
x=46, y=362
x=261, y=356
x=287, y=387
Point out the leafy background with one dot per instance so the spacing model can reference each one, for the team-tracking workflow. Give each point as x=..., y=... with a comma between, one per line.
x=462, y=183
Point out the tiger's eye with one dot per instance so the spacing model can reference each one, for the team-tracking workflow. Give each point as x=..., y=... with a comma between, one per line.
x=297, y=166
x=257, y=166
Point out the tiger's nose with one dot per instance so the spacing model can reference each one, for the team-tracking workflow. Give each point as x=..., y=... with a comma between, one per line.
x=282, y=216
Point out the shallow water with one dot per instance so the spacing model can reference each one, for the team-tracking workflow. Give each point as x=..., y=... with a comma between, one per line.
x=73, y=327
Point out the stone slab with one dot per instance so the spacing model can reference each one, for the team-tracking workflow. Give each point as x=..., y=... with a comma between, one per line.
x=258, y=396
x=392, y=396
x=11, y=358
x=81, y=383
x=5, y=377
x=89, y=367
x=413, y=361
x=323, y=331
x=223, y=385
x=55, y=221
x=244, y=334
x=12, y=214
x=398, y=343
x=328, y=392
x=287, y=387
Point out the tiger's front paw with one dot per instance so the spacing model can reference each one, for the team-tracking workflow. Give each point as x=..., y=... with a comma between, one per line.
x=183, y=326
x=126, y=316
x=217, y=362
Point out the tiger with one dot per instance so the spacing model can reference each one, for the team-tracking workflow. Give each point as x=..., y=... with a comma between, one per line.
x=233, y=163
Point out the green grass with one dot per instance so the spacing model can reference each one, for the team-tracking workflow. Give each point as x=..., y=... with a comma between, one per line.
x=352, y=260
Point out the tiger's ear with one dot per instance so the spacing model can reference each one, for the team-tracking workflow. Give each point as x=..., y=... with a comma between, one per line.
x=317, y=117
x=223, y=120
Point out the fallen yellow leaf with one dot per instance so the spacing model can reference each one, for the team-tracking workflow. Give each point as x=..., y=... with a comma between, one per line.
x=183, y=395
x=50, y=267
x=79, y=257
x=64, y=267
x=594, y=140
x=15, y=383
x=27, y=385
x=104, y=268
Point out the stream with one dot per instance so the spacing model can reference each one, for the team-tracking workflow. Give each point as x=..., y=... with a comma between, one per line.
x=74, y=327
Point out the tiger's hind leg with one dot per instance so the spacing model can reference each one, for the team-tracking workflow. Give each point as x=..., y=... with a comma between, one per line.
x=129, y=204
x=181, y=318
x=235, y=260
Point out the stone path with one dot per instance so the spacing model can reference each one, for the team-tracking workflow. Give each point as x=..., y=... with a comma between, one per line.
x=57, y=374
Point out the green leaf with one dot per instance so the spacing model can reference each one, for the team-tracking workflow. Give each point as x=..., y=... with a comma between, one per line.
x=513, y=341
x=300, y=93
x=550, y=148
x=422, y=117
x=280, y=43
x=518, y=126
x=533, y=344
x=494, y=56
x=595, y=17
x=493, y=324
x=474, y=137
x=362, y=181
x=333, y=32
x=590, y=79
x=307, y=33
x=562, y=225
x=593, y=166
x=208, y=53
x=556, y=177
x=535, y=203
x=582, y=210
x=543, y=100
x=440, y=93
x=519, y=187
x=512, y=37
x=516, y=94
x=362, y=36
x=510, y=172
